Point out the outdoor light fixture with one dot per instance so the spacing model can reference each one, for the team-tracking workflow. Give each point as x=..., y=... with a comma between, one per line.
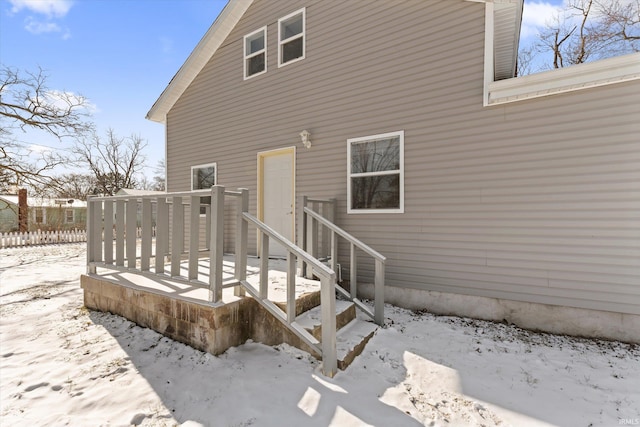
x=306, y=141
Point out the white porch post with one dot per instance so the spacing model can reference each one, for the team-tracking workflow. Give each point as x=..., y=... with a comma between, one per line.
x=216, y=243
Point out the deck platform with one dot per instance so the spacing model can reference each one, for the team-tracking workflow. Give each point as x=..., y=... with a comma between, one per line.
x=181, y=309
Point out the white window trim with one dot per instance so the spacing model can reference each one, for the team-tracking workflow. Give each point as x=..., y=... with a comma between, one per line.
x=205, y=165
x=303, y=35
x=73, y=216
x=350, y=141
x=246, y=57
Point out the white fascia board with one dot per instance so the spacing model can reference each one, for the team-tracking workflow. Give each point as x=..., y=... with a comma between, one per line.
x=568, y=79
x=489, y=60
x=196, y=61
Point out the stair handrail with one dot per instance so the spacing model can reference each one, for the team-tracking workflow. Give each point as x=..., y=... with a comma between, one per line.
x=327, y=293
x=378, y=314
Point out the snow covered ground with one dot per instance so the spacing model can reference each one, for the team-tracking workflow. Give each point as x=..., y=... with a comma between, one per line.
x=61, y=364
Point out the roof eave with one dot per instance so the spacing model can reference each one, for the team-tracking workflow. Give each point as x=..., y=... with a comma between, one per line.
x=208, y=45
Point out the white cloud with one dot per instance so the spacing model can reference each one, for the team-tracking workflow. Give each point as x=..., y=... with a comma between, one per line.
x=535, y=15
x=39, y=149
x=50, y=8
x=38, y=27
x=62, y=100
x=47, y=12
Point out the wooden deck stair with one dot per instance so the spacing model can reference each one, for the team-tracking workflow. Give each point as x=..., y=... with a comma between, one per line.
x=353, y=328
x=352, y=333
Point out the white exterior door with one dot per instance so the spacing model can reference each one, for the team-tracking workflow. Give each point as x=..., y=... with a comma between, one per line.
x=277, y=194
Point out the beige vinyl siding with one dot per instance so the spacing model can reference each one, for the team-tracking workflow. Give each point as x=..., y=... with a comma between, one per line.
x=534, y=201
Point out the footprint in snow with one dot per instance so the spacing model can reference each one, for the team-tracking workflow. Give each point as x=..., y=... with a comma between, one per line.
x=35, y=386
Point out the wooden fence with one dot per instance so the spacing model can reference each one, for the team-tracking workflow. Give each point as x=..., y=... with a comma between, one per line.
x=30, y=238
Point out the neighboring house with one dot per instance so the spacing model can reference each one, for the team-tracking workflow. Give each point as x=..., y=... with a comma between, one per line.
x=44, y=214
x=136, y=192
x=492, y=196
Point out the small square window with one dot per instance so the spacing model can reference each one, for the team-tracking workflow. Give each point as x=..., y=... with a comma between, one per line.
x=291, y=38
x=204, y=177
x=255, y=53
x=39, y=215
x=376, y=173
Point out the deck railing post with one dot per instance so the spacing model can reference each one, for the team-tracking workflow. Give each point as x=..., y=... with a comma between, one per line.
x=291, y=287
x=97, y=229
x=302, y=220
x=313, y=243
x=91, y=235
x=216, y=243
x=328, y=309
x=194, y=236
x=177, y=234
x=353, y=272
x=120, y=224
x=145, y=249
x=108, y=232
x=379, y=293
x=334, y=250
x=264, y=266
x=132, y=231
x=162, y=233
x=331, y=216
x=207, y=227
x=242, y=206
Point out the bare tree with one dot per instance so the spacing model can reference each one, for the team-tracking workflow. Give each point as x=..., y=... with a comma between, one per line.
x=157, y=182
x=73, y=186
x=586, y=30
x=115, y=161
x=26, y=103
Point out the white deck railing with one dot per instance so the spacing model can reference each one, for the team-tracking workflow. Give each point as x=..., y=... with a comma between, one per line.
x=314, y=230
x=115, y=218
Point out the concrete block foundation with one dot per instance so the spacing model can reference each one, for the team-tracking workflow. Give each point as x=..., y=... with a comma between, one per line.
x=554, y=319
x=208, y=327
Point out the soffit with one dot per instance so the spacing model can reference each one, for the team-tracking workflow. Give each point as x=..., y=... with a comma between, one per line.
x=506, y=36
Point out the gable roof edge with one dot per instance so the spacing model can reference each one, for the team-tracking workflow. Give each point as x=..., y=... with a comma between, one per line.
x=204, y=50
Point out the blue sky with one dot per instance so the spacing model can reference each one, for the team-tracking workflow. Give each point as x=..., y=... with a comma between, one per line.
x=121, y=54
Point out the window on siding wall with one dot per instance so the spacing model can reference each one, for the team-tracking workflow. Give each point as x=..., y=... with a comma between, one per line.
x=376, y=173
x=68, y=216
x=255, y=53
x=291, y=38
x=203, y=177
x=39, y=215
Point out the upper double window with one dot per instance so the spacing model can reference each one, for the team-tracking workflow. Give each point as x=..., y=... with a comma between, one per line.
x=291, y=37
x=255, y=53
x=291, y=44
